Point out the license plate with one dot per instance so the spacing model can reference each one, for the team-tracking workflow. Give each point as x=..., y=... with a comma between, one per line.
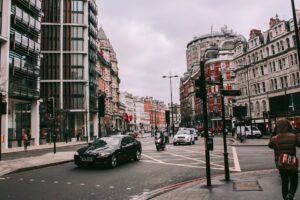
x=87, y=159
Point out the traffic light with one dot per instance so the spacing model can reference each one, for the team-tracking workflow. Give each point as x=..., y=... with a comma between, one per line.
x=101, y=105
x=50, y=106
x=200, y=93
x=167, y=113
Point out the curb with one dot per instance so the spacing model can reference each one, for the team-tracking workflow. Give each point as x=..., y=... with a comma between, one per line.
x=169, y=188
x=163, y=190
x=38, y=167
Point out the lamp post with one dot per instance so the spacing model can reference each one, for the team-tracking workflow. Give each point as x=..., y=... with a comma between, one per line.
x=170, y=77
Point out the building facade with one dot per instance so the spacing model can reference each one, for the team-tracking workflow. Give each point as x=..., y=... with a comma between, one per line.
x=268, y=74
x=109, y=82
x=191, y=106
x=20, y=68
x=68, y=66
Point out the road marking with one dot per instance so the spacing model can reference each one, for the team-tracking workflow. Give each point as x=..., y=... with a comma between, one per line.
x=97, y=185
x=69, y=183
x=237, y=166
x=82, y=184
x=31, y=180
x=55, y=182
x=159, y=161
x=43, y=181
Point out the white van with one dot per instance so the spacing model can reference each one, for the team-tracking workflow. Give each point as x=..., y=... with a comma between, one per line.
x=246, y=131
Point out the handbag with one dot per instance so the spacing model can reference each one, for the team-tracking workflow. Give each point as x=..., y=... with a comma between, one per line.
x=286, y=161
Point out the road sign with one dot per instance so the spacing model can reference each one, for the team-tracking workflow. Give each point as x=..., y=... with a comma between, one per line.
x=231, y=92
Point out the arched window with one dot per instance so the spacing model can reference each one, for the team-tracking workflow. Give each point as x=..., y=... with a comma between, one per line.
x=288, y=43
x=264, y=105
x=267, y=50
x=282, y=45
x=278, y=47
x=257, y=107
x=273, y=49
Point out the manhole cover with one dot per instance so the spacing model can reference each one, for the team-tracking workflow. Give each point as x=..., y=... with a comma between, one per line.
x=246, y=186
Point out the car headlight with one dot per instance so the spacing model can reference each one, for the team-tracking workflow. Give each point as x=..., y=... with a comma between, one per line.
x=103, y=154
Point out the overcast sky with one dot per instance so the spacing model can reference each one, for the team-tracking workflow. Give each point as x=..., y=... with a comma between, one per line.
x=150, y=36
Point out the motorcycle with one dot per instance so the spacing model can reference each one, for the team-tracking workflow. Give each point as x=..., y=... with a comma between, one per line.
x=160, y=145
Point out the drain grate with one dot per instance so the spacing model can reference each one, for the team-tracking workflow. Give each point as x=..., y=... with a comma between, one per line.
x=246, y=186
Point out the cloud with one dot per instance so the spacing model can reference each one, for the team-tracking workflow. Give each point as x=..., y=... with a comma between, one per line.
x=150, y=37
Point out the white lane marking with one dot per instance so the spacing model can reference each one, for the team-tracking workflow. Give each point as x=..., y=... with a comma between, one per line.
x=21, y=179
x=2, y=178
x=97, y=185
x=237, y=166
x=31, y=180
x=111, y=187
x=128, y=188
x=43, y=181
x=69, y=183
x=185, y=157
x=82, y=184
x=55, y=182
x=150, y=157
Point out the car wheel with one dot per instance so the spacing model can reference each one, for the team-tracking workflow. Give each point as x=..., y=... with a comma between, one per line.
x=194, y=142
x=191, y=142
x=174, y=143
x=113, y=161
x=138, y=155
x=80, y=165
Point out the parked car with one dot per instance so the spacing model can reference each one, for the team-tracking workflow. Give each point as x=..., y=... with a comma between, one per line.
x=194, y=132
x=109, y=151
x=246, y=131
x=184, y=136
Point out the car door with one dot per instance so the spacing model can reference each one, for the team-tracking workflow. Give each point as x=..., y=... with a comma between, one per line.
x=131, y=147
x=124, y=149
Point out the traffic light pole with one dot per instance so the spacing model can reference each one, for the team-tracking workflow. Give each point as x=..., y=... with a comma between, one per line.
x=205, y=120
x=226, y=165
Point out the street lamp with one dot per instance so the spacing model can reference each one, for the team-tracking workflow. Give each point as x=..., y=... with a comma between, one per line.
x=170, y=77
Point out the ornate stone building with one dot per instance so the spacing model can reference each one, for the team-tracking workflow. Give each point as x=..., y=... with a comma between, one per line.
x=108, y=83
x=268, y=74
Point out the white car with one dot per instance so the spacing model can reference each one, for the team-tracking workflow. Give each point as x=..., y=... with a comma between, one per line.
x=184, y=136
x=194, y=132
x=248, y=131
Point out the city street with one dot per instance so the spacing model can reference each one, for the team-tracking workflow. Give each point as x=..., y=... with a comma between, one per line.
x=155, y=170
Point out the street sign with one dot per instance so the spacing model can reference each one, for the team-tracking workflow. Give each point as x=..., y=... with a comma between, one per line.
x=231, y=92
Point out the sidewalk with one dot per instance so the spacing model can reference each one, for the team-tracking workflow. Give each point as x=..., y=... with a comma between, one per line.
x=259, y=185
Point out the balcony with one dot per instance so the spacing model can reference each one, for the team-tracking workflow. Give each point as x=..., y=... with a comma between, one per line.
x=20, y=92
x=23, y=44
x=34, y=6
x=22, y=67
x=25, y=22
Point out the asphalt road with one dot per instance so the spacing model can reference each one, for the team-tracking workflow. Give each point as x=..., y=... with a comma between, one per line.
x=155, y=170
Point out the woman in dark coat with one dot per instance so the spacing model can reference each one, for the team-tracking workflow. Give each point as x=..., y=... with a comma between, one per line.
x=286, y=141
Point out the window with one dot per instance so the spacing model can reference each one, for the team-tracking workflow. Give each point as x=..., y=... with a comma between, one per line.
x=274, y=66
x=267, y=50
x=282, y=45
x=263, y=87
x=288, y=43
x=294, y=81
x=264, y=105
x=273, y=49
x=282, y=82
x=280, y=64
x=295, y=59
x=258, y=88
x=262, y=70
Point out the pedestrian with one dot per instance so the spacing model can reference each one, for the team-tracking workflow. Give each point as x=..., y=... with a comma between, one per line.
x=66, y=137
x=25, y=139
x=166, y=134
x=285, y=141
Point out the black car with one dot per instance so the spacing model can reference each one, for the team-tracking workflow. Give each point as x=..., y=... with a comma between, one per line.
x=109, y=151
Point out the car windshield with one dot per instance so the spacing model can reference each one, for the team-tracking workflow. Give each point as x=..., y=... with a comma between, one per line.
x=111, y=141
x=182, y=132
x=254, y=128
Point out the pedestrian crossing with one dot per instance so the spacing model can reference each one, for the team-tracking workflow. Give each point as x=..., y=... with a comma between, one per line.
x=190, y=156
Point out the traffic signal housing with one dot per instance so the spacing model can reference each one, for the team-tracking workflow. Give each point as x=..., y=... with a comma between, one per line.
x=199, y=90
x=101, y=105
x=167, y=115
x=50, y=106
